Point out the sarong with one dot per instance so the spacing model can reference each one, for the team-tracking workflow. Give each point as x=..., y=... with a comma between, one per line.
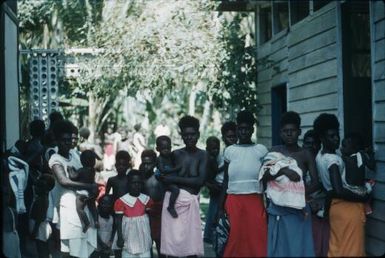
x=289, y=232
x=248, y=226
x=182, y=236
x=321, y=232
x=347, y=224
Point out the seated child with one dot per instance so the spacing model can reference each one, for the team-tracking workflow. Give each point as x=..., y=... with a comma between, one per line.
x=86, y=174
x=132, y=222
x=356, y=160
x=166, y=166
x=39, y=226
x=106, y=220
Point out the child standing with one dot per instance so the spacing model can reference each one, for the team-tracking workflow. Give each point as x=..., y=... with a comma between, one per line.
x=212, y=149
x=166, y=166
x=154, y=189
x=118, y=184
x=133, y=225
x=86, y=174
x=106, y=221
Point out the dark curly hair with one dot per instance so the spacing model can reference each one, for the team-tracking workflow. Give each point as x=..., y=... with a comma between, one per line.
x=325, y=122
x=188, y=121
x=61, y=127
x=228, y=126
x=37, y=128
x=356, y=140
x=88, y=158
x=311, y=133
x=212, y=139
x=134, y=172
x=123, y=155
x=245, y=116
x=290, y=117
x=162, y=138
x=148, y=153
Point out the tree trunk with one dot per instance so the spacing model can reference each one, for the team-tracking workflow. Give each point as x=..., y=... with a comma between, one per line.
x=206, y=115
x=192, y=98
x=92, y=116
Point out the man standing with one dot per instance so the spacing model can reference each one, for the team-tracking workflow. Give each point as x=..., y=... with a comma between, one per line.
x=182, y=236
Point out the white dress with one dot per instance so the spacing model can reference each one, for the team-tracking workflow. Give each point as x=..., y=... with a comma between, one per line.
x=73, y=240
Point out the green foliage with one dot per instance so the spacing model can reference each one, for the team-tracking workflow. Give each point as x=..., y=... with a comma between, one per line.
x=168, y=49
x=235, y=88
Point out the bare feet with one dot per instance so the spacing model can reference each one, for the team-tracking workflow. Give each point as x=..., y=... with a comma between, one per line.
x=172, y=211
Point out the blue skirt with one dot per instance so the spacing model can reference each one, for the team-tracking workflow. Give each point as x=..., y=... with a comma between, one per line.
x=289, y=232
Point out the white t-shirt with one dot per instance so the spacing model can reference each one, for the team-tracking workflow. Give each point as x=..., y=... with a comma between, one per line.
x=244, y=164
x=57, y=159
x=324, y=162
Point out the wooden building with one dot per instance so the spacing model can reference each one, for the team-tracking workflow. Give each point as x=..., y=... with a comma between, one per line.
x=324, y=56
x=9, y=75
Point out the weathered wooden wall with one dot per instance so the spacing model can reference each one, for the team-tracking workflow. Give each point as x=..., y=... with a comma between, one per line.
x=306, y=58
x=375, y=227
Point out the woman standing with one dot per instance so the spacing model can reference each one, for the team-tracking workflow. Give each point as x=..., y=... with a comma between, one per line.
x=346, y=213
x=73, y=242
x=244, y=203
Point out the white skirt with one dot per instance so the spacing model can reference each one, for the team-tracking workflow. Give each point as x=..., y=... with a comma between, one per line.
x=136, y=235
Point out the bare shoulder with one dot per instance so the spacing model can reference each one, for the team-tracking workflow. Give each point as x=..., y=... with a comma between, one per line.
x=277, y=148
x=202, y=153
x=307, y=154
x=112, y=180
x=178, y=152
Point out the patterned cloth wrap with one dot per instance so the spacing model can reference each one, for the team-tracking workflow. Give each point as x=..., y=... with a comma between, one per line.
x=221, y=235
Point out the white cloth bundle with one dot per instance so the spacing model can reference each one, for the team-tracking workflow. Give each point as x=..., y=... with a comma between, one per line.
x=281, y=191
x=18, y=178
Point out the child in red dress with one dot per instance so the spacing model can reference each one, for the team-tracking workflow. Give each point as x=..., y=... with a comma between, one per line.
x=133, y=225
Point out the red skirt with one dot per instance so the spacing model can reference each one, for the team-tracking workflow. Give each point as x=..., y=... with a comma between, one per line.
x=248, y=226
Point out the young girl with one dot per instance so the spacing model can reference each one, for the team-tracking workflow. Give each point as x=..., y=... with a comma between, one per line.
x=244, y=200
x=133, y=225
x=106, y=221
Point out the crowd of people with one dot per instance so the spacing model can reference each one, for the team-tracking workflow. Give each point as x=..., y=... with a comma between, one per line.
x=289, y=200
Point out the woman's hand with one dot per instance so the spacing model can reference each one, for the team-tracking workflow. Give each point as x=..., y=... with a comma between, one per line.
x=166, y=179
x=93, y=189
x=291, y=174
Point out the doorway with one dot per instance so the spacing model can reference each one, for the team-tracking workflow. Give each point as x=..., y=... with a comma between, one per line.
x=356, y=60
x=278, y=107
